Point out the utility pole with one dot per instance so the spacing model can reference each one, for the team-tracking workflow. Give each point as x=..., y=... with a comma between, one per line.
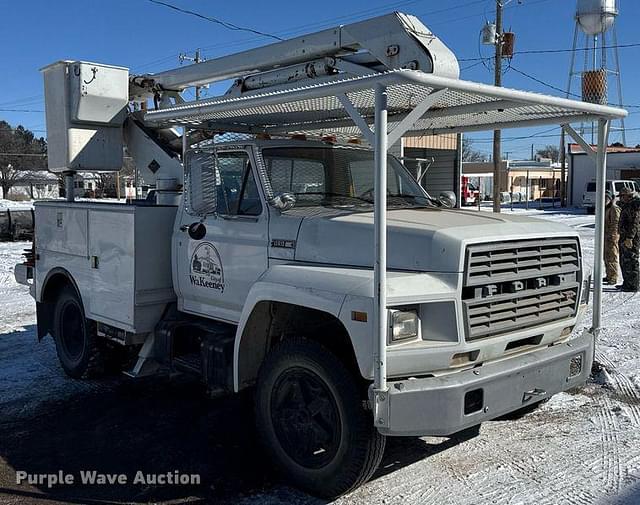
x=497, y=134
x=196, y=59
x=563, y=170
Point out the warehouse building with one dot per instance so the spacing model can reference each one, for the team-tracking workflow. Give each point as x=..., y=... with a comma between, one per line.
x=622, y=163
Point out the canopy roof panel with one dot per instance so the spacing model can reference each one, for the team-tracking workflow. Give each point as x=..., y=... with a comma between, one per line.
x=316, y=110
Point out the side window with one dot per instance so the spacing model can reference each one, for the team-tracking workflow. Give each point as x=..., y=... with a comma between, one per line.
x=238, y=192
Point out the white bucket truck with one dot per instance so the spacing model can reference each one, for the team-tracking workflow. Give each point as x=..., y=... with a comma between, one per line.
x=316, y=272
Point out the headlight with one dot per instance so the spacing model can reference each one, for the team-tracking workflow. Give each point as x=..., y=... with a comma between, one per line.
x=404, y=324
x=586, y=291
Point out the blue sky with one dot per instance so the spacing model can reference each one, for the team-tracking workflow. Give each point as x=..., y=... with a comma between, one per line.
x=147, y=38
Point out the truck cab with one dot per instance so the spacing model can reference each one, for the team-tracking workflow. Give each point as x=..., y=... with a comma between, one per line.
x=446, y=266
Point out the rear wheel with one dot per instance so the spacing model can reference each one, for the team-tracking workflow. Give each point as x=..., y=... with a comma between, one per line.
x=312, y=419
x=75, y=337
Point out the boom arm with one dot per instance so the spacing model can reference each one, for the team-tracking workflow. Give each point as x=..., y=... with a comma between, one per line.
x=383, y=43
x=86, y=103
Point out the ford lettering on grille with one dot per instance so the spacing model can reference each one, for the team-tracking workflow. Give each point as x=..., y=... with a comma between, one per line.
x=510, y=286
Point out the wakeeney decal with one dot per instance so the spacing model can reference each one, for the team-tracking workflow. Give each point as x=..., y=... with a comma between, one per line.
x=206, y=267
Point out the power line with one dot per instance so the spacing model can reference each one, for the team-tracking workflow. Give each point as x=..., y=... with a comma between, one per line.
x=555, y=51
x=225, y=24
x=301, y=29
x=454, y=20
x=472, y=65
x=22, y=102
x=539, y=135
x=24, y=154
x=20, y=110
x=551, y=86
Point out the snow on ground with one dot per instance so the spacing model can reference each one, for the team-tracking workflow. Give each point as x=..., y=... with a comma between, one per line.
x=16, y=306
x=580, y=447
x=11, y=204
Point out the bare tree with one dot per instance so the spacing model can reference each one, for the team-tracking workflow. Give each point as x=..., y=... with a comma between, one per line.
x=469, y=153
x=20, y=151
x=550, y=151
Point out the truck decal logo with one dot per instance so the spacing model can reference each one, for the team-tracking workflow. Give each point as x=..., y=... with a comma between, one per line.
x=206, y=268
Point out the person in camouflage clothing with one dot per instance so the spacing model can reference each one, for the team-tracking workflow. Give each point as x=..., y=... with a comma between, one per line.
x=629, y=239
x=611, y=238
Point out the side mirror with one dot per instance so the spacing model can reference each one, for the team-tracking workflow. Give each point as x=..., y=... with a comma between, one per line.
x=202, y=182
x=197, y=231
x=447, y=199
x=283, y=201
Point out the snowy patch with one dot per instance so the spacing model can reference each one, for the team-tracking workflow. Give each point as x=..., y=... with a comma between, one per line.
x=10, y=204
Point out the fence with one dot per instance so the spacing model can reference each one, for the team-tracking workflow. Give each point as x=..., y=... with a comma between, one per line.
x=16, y=224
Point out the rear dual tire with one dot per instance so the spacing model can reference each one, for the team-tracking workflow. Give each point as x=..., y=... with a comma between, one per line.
x=313, y=421
x=75, y=336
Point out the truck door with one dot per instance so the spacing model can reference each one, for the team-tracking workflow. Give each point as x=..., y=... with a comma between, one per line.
x=213, y=274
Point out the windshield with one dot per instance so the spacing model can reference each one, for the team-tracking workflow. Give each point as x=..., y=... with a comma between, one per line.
x=338, y=177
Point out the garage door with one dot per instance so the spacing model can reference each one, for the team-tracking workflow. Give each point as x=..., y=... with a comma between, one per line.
x=441, y=175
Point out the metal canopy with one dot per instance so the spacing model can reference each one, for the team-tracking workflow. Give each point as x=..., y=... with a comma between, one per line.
x=319, y=109
x=397, y=103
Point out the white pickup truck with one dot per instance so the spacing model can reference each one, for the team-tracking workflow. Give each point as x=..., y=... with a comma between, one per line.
x=614, y=187
x=260, y=272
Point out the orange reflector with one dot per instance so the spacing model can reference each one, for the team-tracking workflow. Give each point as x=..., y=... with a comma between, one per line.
x=464, y=357
x=359, y=316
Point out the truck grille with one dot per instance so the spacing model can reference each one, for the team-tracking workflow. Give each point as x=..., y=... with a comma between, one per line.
x=511, y=286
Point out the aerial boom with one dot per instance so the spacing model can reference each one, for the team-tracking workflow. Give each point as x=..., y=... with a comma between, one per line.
x=387, y=42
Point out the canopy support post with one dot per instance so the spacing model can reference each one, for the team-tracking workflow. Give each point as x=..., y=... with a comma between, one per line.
x=413, y=116
x=601, y=180
x=356, y=117
x=580, y=140
x=381, y=398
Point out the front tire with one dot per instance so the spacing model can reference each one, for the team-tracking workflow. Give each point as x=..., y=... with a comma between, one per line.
x=75, y=337
x=312, y=420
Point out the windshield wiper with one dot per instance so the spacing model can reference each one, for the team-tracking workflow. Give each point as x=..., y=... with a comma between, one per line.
x=432, y=201
x=336, y=195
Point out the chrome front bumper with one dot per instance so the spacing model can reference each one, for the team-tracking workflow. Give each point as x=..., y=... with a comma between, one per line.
x=441, y=406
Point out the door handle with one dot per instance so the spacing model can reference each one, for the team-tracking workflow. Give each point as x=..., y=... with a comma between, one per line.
x=184, y=227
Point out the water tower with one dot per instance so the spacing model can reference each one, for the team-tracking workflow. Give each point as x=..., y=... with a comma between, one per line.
x=599, y=72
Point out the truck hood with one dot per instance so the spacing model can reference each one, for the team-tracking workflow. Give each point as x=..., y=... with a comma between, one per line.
x=424, y=240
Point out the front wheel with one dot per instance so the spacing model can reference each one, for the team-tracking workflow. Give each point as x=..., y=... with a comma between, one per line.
x=312, y=420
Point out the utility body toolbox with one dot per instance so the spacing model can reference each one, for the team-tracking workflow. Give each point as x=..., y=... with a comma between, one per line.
x=118, y=255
